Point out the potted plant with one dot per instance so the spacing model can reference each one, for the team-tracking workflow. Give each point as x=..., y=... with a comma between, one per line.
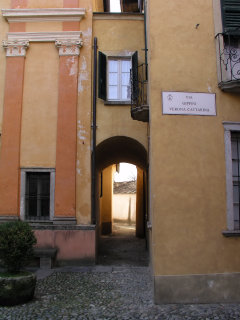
x=16, y=248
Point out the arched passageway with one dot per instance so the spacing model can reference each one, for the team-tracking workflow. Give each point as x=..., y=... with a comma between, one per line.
x=120, y=246
x=120, y=149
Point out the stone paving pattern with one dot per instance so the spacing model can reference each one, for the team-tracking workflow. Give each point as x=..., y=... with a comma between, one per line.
x=103, y=292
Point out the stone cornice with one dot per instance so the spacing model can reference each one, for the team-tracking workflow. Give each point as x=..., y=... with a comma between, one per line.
x=44, y=36
x=15, y=48
x=69, y=47
x=49, y=14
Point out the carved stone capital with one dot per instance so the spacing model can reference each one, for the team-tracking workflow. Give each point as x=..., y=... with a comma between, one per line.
x=16, y=48
x=69, y=47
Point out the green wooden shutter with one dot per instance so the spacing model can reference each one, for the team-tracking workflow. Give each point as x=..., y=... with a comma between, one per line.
x=135, y=76
x=231, y=16
x=102, y=76
x=106, y=5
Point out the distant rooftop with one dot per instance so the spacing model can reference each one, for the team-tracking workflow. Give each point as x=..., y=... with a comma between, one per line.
x=126, y=187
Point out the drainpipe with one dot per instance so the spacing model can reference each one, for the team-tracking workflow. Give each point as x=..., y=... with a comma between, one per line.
x=93, y=158
x=145, y=38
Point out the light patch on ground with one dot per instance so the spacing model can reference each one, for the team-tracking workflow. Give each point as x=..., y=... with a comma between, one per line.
x=210, y=283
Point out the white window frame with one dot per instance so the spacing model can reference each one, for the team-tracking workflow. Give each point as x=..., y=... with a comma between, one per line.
x=228, y=128
x=118, y=58
x=24, y=172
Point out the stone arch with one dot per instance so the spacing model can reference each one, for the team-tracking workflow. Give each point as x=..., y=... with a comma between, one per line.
x=124, y=149
x=120, y=149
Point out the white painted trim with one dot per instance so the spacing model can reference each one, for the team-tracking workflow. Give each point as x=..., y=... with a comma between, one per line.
x=232, y=126
x=16, y=48
x=69, y=47
x=217, y=16
x=119, y=74
x=44, y=36
x=48, y=14
x=228, y=128
x=23, y=189
x=229, y=182
x=22, y=194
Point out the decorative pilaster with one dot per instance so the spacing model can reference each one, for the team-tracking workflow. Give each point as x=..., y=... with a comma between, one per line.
x=16, y=48
x=65, y=187
x=69, y=47
x=11, y=130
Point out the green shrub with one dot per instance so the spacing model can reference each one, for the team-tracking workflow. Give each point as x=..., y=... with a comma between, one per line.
x=16, y=245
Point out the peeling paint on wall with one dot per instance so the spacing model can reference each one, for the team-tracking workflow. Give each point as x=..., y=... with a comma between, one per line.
x=87, y=36
x=72, y=66
x=78, y=170
x=209, y=89
x=83, y=76
x=84, y=64
x=81, y=131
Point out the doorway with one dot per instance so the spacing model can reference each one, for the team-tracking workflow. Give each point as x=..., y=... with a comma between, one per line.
x=122, y=205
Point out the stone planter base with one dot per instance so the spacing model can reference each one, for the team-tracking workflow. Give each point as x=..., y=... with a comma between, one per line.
x=17, y=290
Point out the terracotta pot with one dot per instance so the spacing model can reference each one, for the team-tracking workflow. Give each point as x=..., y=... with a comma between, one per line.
x=17, y=289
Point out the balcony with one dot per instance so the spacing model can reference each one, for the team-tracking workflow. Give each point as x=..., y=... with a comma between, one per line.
x=139, y=99
x=228, y=52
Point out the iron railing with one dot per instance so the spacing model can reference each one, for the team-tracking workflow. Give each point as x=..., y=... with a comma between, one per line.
x=139, y=94
x=228, y=47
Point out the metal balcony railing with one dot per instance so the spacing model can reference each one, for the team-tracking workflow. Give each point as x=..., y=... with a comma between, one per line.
x=228, y=50
x=139, y=95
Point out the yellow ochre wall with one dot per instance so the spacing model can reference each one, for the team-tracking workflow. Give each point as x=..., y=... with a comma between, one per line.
x=98, y=6
x=40, y=102
x=117, y=34
x=106, y=200
x=188, y=197
x=83, y=170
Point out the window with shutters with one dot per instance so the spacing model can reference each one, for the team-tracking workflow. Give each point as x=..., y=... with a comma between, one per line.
x=228, y=46
x=114, y=84
x=37, y=194
x=231, y=16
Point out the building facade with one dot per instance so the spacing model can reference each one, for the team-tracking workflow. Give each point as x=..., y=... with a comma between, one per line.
x=157, y=85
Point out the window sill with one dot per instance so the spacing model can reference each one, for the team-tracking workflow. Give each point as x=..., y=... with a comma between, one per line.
x=231, y=233
x=51, y=226
x=110, y=103
x=36, y=221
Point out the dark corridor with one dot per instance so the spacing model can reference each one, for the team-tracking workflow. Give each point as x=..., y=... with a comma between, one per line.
x=122, y=247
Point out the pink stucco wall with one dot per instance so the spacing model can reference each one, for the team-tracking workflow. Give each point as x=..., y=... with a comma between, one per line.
x=72, y=245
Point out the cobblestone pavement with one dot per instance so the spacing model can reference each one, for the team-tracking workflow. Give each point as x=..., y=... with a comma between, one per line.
x=106, y=292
